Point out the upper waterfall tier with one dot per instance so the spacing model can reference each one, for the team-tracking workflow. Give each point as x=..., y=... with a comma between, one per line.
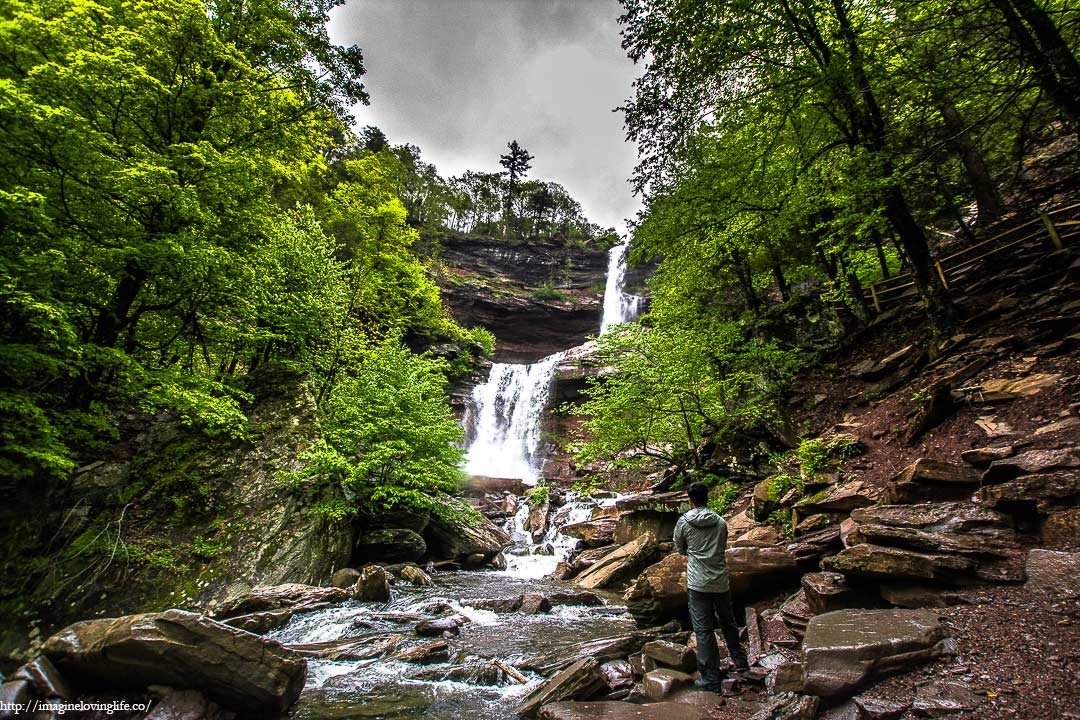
x=619, y=305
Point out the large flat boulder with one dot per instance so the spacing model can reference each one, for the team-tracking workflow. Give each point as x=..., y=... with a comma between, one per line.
x=619, y=564
x=658, y=594
x=248, y=674
x=296, y=597
x=460, y=534
x=929, y=480
x=391, y=545
x=593, y=533
x=877, y=561
x=579, y=681
x=842, y=650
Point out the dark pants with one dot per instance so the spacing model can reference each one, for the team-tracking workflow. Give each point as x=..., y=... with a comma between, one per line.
x=706, y=610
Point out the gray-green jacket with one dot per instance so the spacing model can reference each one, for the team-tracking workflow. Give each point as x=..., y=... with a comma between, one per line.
x=701, y=535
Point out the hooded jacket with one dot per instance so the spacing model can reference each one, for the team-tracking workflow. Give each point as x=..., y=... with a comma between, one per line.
x=701, y=535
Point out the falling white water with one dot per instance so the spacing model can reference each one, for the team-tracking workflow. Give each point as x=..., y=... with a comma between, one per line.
x=619, y=306
x=530, y=560
x=507, y=412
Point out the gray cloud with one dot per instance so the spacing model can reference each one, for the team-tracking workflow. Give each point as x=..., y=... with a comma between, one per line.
x=461, y=78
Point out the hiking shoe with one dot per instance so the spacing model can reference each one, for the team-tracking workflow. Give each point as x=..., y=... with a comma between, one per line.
x=702, y=684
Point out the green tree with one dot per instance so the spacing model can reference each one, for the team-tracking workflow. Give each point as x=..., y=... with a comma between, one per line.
x=517, y=162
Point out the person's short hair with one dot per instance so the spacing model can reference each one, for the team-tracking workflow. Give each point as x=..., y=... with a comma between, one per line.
x=698, y=493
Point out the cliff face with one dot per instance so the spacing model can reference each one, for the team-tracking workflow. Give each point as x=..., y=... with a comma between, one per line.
x=537, y=297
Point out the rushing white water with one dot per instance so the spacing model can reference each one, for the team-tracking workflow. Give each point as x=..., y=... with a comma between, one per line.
x=506, y=414
x=619, y=306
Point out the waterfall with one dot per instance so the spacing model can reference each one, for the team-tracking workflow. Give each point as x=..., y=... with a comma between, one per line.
x=619, y=306
x=506, y=412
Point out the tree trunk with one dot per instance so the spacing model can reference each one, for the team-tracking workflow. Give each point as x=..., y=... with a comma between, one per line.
x=855, y=291
x=978, y=173
x=911, y=237
x=781, y=281
x=1040, y=41
x=882, y=260
x=113, y=318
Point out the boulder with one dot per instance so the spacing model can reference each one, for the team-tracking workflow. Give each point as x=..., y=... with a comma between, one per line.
x=786, y=677
x=1061, y=528
x=186, y=705
x=593, y=533
x=843, y=649
x=345, y=578
x=350, y=648
x=407, y=518
x=635, y=523
x=414, y=575
x=534, y=604
x=471, y=673
x=391, y=545
x=943, y=698
x=373, y=585
x=575, y=597
x=578, y=681
x=795, y=612
x=982, y=457
x=1032, y=461
x=1057, y=573
x=290, y=596
x=931, y=480
x=762, y=536
x=880, y=708
x=456, y=537
x=537, y=523
x=788, y=706
x=426, y=654
x=601, y=649
x=251, y=675
x=1029, y=495
x=619, y=674
x=843, y=497
x=15, y=693
x=828, y=591
x=658, y=684
x=658, y=594
x=619, y=564
x=260, y=623
x=438, y=626
x=750, y=565
x=670, y=654
x=876, y=561
x=45, y=679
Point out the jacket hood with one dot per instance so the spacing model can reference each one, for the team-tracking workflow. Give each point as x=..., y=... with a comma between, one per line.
x=702, y=517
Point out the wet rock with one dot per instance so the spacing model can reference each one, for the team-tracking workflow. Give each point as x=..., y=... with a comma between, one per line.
x=456, y=539
x=14, y=693
x=344, y=578
x=612, y=710
x=537, y=523
x=426, y=654
x=844, y=497
x=618, y=674
x=414, y=575
x=906, y=595
x=1032, y=461
x=789, y=706
x=1029, y=495
x=291, y=596
x=619, y=564
x=497, y=605
x=438, y=626
x=659, y=592
x=658, y=523
x=584, y=598
x=981, y=457
x=186, y=705
x=762, y=501
x=473, y=673
x=931, y=480
x=786, y=677
x=660, y=683
x=828, y=591
x=236, y=669
x=876, y=708
x=1061, y=528
x=1002, y=390
x=579, y=681
x=373, y=585
x=795, y=612
x=812, y=524
x=875, y=561
x=775, y=631
x=763, y=536
x=350, y=648
x=593, y=533
x=260, y=623
x=1057, y=573
x=391, y=545
x=44, y=678
x=943, y=698
x=842, y=649
x=749, y=565
x=534, y=604
x=601, y=649
x=669, y=654
x=563, y=571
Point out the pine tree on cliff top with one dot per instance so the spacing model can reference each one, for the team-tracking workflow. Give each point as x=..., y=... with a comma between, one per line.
x=517, y=163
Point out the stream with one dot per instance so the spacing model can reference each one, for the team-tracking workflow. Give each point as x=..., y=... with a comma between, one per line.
x=503, y=440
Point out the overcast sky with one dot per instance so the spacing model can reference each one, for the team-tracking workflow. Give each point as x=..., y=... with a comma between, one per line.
x=461, y=78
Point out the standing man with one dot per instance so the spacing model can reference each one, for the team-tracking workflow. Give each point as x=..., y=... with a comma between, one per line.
x=701, y=535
